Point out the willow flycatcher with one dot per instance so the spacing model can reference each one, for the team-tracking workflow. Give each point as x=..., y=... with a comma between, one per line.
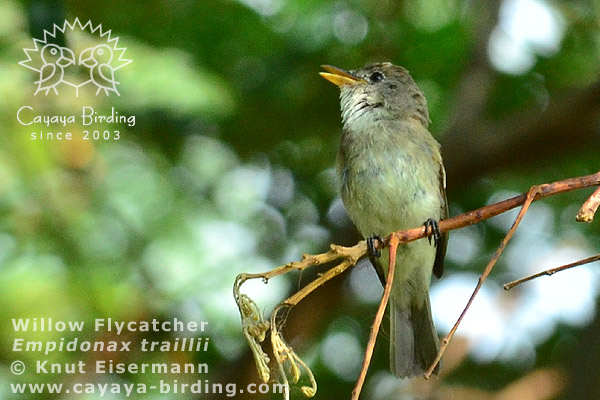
x=392, y=177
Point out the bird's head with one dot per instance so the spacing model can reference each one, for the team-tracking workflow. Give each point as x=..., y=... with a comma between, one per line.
x=92, y=56
x=54, y=54
x=378, y=92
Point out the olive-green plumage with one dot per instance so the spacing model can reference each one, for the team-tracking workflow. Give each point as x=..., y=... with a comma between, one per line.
x=392, y=178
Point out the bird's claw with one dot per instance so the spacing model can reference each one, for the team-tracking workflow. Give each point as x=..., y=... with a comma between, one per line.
x=374, y=243
x=432, y=229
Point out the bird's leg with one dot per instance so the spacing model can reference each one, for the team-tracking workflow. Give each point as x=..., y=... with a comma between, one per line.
x=432, y=229
x=374, y=243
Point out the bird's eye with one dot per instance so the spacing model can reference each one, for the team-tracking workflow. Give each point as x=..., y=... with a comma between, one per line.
x=99, y=51
x=53, y=51
x=376, y=77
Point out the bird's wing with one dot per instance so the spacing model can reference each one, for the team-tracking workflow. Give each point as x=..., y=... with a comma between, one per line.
x=48, y=76
x=107, y=75
x=442, y=244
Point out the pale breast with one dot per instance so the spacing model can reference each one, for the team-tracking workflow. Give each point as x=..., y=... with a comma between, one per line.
x=390, y=177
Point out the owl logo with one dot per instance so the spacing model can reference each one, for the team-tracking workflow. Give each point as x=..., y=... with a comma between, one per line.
x=60, y=67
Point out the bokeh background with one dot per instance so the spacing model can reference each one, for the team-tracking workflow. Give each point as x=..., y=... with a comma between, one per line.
x=229, y=169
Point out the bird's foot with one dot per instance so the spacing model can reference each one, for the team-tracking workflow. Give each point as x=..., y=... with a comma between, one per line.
x=374, y=244
x=432, y=229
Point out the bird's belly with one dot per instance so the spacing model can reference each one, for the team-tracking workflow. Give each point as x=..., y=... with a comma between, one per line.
x=382, y=197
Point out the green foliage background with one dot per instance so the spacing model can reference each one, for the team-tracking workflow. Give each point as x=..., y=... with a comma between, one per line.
x=228, y=169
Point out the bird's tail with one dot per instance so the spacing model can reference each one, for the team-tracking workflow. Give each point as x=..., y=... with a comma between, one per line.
x=414, y=343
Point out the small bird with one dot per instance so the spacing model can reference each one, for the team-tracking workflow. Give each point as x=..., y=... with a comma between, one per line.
x=392, y=177
x=102, y=74
x=56, y=59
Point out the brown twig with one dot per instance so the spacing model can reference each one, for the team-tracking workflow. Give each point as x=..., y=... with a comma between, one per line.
x=588, y=209
x=393, y=247
x=552, y=271
x=255, y=327
x=530, y=197
x=476, y=216
x=335, y=252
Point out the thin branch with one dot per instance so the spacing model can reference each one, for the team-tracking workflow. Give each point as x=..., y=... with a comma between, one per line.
x=330, y=274
x=530, y=197
x=255, y=326
x=489, y=211
x=335, y=252
x=552, y=271
x=588, y=209
x=393, y=247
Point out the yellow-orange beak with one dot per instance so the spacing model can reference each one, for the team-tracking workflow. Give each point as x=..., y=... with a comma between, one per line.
x=339, y=77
